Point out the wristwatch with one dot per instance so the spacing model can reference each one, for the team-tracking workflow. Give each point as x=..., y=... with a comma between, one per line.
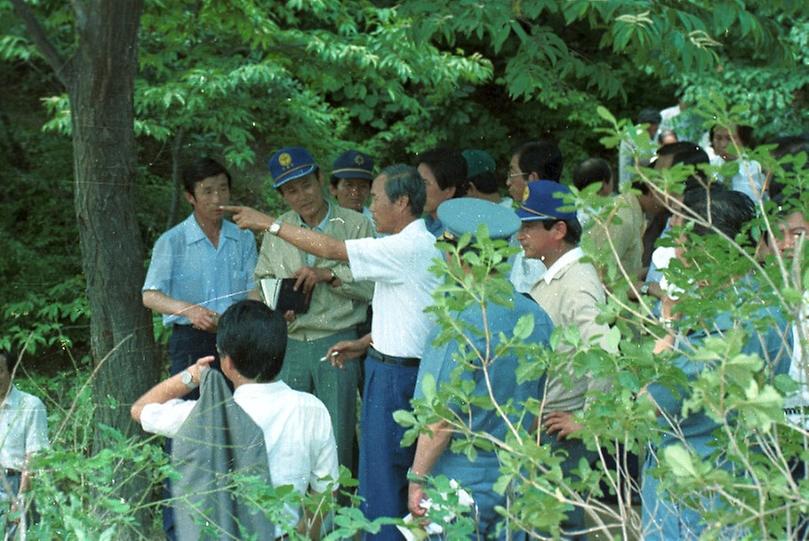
x=644, y=289
x=274, y=228
x=333, y=277
x=188, y=379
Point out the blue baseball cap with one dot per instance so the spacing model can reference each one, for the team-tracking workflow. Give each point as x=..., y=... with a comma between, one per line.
x=353, y=164
x=290, y=163
x=543, y=200
x=466, y=214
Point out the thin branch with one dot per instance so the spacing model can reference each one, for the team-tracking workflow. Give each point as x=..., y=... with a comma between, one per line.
x=43, y=44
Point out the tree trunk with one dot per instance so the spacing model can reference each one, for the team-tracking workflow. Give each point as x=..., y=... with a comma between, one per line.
x=101, y=96
x=176, y=181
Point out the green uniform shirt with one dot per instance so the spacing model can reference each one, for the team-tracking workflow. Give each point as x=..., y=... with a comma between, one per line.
x=624, y=227
x=331, y=309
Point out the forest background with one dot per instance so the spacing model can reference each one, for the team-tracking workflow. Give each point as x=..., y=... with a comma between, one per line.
x=240, y=79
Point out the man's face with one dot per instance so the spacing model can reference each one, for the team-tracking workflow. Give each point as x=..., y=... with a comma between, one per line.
x=517, y=180
x=304, y=196
x=209, y=194
x=351, y=193
x=435, y=195
x=536, y=241
x=792, y=228
x=382, y=207
x=721, y=142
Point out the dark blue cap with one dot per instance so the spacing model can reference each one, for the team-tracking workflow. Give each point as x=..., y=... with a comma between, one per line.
x=353, y=164
x=290, y=163
x=543, y=200
x=465, y=214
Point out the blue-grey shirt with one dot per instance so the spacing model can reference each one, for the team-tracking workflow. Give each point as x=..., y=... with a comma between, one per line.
x=438, y=361
x=697, y=427
x=434, y=225
x=186, y=266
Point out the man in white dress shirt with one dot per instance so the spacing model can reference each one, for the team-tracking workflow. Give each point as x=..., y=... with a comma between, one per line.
x=23, y=432
x=251, y=340
x=399, y=265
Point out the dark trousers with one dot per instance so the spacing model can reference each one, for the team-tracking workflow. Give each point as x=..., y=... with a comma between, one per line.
x=383, y=462
x=186, y=345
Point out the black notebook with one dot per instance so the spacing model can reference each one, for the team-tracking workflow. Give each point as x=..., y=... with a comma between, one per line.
x=279, y=295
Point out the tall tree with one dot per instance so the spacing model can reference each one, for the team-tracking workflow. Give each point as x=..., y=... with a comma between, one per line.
x=99, y=78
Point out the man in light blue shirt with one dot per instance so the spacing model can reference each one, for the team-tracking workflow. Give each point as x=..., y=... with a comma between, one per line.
x=199, y=267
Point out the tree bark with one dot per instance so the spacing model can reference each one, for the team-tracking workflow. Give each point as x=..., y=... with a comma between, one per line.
x=101, y=98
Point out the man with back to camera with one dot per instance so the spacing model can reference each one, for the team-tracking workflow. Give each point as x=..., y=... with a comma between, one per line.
x=495, y=371
x=297, y=430
x=199, y=267
x=444, y=174
x=399, y=265
x=338, y=303
x=350, y=182
x=23, y=432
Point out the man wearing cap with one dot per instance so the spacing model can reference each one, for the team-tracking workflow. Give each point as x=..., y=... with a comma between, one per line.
x=498, y=373
x=570, y=292
x=338, y=303
x=351, y=178
x=480, y=174
x=399, y=266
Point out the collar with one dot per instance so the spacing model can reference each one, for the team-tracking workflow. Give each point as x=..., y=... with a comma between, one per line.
x=562, y=263
x=194, y=233
x=12, y=399
x=261, y=389
x=319, y=227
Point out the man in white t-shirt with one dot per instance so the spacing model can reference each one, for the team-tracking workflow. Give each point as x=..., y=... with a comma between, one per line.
x=398, y=264
x=23, y=432
x=251, y=340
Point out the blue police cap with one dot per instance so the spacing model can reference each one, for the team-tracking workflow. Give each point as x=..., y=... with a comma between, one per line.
x=465, y=214
x=353, y=164
x=543, y=200
x=290, y=163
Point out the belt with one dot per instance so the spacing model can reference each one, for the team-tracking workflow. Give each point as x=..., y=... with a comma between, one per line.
x=390, y=359
x=9, y=472
x=803, y=410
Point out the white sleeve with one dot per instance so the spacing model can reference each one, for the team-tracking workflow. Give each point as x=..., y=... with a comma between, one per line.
x=378, y=260
x=325, y=467
x=36, y=436
x=167, y=418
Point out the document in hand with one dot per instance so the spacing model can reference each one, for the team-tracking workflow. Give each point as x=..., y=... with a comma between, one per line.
x=279, y=294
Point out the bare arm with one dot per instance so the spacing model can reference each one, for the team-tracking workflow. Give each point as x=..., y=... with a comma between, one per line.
x=170, y=388
x=307, y=240
x=428, y=450
x=200, y=317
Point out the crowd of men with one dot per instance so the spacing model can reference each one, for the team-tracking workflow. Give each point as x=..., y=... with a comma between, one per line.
x=365, y=338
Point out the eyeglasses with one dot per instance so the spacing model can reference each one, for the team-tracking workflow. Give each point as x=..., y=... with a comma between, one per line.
x=520, y=174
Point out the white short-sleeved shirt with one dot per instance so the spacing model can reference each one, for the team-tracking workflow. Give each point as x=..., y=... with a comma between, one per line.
x=23, y=428
x=399, y=265
x=301, y=450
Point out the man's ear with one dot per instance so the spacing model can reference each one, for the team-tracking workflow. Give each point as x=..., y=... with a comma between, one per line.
x=402, y=203
x=532, y=176
x=559, y=230
x=190, y=198
x=451, y=190
x=333, y=189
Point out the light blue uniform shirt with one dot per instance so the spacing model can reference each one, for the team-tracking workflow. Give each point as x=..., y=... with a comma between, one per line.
x=186, y=266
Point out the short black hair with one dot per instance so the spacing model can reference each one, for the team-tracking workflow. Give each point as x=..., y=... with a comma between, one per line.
x=573, y=234
x=10, y=357
x=542, y=157
x=743, y=133
x=254, y=337
x=727, y=210
x=449, y=167
x=404, y=180
x=200, y=169
x=591, y=171
x=648, y=116
x=793, y=144
x=485, y=182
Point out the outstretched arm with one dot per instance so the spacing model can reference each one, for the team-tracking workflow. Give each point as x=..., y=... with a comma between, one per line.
x=307, y=240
